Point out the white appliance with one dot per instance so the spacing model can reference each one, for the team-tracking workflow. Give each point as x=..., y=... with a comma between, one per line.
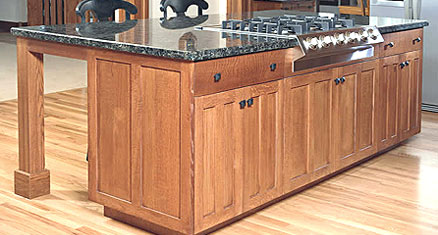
x=418, y=9
x=13, y=10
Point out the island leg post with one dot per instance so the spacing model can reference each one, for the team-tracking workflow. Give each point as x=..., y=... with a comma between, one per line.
x=31, y=179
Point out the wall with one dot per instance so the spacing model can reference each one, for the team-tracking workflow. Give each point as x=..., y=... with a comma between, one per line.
x=215, y=7
x=13, y=10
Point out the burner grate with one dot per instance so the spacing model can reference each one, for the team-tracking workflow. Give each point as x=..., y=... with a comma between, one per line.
x=288, y=24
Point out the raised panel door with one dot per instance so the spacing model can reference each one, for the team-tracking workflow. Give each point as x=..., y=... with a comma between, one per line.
x=410, y=94
x=354, y=113
x=261, y=144
x=387, y=103
x=307, y=101
x=218, y=156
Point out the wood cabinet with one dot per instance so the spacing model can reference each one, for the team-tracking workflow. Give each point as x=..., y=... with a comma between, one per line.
x=261, y=144
x=218, y=157
x=173, y=149
x=307, y=129
x=399, y=98
x=354, y=113
x=410, y=76
x=387, y=103
x=237, y=152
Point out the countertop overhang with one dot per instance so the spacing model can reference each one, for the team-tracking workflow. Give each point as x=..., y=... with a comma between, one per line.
x=151, y=37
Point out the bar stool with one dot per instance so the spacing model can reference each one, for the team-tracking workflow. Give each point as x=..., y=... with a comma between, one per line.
x=102, y=10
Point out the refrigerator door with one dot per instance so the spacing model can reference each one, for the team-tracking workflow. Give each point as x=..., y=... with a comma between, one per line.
x=430, y=59
x=412, y=9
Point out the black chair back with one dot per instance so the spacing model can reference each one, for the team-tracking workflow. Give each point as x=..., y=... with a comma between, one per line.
x=102, y=10
x=181, y=6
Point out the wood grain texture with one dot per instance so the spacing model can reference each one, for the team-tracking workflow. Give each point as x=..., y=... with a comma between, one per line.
x=404, y=41
x=238, y=71
x=387, y=103
x=218, y=157
x=161, y=137
x=261, y=146
x=31, y=123
x=410, y=94
x=390, y=194
x=307, y=128
x=354, y=113
x=154, y=129
x=113, y=129
x=34, y=12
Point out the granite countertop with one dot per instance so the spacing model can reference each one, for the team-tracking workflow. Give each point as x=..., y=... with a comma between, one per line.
x=178, y=39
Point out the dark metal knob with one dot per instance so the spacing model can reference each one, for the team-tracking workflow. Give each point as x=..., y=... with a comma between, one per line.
x=337, y=81
x=250, y=102
x=242, y=104
x=407, y=63
x=273, y=66
x=417, y=40
x=342, y=79
x=217, y=77
x=391, y=44
x=403, y=64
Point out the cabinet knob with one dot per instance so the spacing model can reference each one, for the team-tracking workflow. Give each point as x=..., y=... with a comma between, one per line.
x=242, y=104
x=402, y=64
x=417, y=40
x=217, y=77
x=342, y=79
x=337, y=81
x=273, y=67
x=391, y=44
x=407, y=63
x=250, y=102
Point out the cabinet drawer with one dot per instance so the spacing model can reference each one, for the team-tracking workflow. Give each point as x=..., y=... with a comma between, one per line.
x=229, y=73
x=402, y=42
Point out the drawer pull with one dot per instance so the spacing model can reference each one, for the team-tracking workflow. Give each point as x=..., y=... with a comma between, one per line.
x=342, y=79
x=242, y=104
x=391, y=44
x=217, y=77
x=417, y=40
x=273, y=67
x=250, y=102
x=407, y=63
x=337, y=81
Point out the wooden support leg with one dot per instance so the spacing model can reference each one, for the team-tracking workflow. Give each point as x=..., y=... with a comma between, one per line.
x=31, y=179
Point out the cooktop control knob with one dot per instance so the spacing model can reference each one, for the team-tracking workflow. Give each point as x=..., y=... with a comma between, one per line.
x=340, y=38
x=363, y=36
x=351, y=37
x=372, y=34
x=326, y=41
x=312, y=43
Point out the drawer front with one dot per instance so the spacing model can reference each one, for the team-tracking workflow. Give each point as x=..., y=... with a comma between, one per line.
x=233, y=72
x=401, y=42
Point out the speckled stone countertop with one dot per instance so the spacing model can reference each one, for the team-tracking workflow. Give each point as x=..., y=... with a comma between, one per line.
x=178, y=39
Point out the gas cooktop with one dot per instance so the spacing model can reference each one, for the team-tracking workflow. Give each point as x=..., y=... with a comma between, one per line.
x=315, y=32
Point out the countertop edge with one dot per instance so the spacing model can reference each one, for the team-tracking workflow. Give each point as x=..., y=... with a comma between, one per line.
x=193, y=56
x=402, y=27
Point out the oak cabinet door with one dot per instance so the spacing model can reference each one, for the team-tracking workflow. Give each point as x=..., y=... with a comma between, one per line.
x=410, y=76
x=261, y=128
x=387, y=103
x=218, y=156
x=307, y=153
x=354, y=113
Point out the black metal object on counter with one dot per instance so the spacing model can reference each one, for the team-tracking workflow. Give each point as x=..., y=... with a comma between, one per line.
x=103, y=9
x=181, y=6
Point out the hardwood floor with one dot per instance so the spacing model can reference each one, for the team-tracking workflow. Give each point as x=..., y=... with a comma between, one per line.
x=395, y=193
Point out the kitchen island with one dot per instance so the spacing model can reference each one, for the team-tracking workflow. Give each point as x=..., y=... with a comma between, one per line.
x=191, y=129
